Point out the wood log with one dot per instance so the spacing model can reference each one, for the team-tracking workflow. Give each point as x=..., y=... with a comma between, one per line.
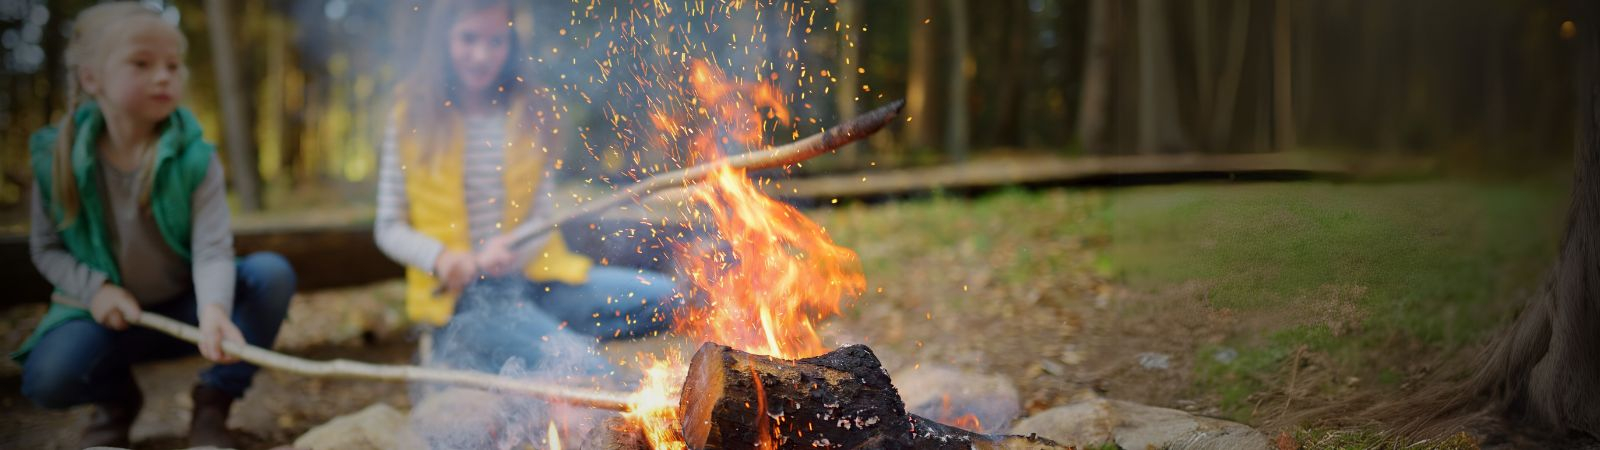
x=843, y=399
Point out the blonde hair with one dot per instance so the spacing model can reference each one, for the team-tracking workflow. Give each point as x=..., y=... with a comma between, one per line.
x=93, y=33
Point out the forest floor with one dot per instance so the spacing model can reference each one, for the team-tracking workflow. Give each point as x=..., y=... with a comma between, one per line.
x=1247, y=301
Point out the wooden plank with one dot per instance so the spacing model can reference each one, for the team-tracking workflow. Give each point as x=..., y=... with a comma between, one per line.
x=1035, y=170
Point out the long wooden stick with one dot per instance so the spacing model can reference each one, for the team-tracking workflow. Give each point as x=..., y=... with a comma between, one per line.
x=791, y=153
x=832, y=139
x=795, y=152
x=344, y=368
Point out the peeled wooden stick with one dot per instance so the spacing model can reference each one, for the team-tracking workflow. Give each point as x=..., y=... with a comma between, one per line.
x=343, y=368
x=791, y=153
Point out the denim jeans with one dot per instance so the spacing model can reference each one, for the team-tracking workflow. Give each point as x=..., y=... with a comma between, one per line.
x=82, y=362
x=550, y=324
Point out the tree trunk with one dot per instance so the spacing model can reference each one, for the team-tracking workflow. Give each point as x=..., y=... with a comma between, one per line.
x=1542, y=375
x=1227, y=89
x=1551, y=370
x=957, y=136
x=1282, y=90
x=849, y=84
x=924, y=92
x=1013, y=24
x=236, y=126
x=1160, y=126
x=1094, y=103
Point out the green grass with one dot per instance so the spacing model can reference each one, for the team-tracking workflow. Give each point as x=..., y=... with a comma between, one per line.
x=1363, y=279
x=1345, y=267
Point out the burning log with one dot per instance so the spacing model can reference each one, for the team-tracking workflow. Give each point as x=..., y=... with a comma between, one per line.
x=842, y=399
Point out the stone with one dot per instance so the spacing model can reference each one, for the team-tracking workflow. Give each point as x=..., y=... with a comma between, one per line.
x=1131, y=425
x=948, y=396
x=378, y=427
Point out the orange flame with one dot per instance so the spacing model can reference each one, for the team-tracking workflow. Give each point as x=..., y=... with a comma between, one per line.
x=769, y=274
x=655, y=405
x=967, y=422
x=774, y=275
x=555, y=437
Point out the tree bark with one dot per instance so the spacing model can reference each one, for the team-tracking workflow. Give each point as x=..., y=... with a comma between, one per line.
x=1094, y=104
x=957, y=135
x=235, y=124
x=924, y=92
x=1561, y=337
x=1227, y=89
x=1160, y=126
x=1542, y=375
x=1282, y=89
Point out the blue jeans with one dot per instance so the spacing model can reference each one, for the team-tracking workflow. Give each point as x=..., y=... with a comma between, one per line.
x=545, y=324
x=82, y=362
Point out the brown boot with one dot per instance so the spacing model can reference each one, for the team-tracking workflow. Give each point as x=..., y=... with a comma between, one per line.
x=209, y=425
x=113, y=418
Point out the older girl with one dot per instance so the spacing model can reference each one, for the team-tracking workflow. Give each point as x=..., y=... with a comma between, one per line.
x=467, y=160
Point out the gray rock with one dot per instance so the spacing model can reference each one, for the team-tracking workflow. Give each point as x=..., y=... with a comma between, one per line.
x=945, y=394
x=378, y=427
x=1135, y=426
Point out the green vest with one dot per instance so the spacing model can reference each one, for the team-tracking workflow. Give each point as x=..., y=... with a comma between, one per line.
x=182, y=159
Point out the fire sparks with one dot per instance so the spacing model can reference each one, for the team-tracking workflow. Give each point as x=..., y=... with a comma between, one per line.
x=763, y=274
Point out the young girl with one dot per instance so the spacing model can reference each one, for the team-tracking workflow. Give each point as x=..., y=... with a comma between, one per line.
x=466, y=161
x=129, y=215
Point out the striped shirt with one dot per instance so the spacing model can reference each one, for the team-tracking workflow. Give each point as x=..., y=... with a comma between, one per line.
x=483, y=161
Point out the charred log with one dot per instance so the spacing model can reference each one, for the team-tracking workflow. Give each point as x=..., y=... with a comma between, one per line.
x=842, y=399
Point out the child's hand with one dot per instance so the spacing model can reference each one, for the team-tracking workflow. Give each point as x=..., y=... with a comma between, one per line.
x=113, y=307
x=215, y=327
x=456, y=269
x=496, y=257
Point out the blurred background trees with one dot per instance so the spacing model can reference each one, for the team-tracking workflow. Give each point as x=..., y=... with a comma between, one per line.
x=1484, y=80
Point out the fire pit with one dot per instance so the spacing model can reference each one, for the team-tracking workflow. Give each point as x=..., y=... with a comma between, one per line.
x=842, y=399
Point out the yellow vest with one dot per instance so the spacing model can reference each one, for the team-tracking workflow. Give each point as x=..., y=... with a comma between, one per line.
x=436, y=193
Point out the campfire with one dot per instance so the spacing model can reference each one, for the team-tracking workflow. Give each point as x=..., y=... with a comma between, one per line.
x=764, y=379
x=767, y=278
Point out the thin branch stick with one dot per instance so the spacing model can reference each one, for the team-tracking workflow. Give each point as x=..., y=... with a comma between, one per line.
x=343, y=368
x=791, y=153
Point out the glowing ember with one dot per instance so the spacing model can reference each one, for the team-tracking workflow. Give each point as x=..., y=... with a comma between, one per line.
x=967, y=422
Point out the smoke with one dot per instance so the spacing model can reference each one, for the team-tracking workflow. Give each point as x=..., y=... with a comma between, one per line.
x=620, y=74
